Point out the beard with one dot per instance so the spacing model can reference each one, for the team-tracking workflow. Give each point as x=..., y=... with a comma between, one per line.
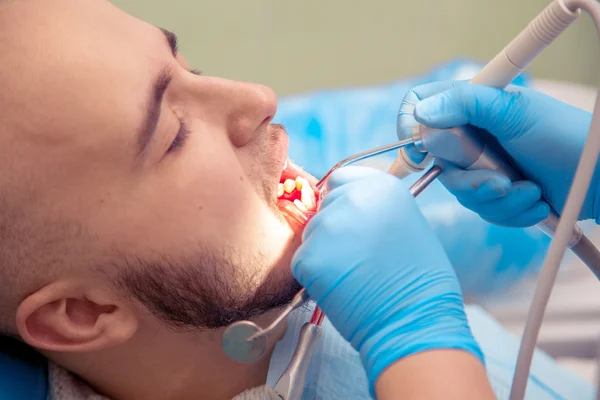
x=210, y=289
x=209, y=294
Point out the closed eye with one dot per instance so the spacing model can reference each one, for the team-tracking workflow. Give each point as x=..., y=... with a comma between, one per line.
x=180, y=139
x=183, y=132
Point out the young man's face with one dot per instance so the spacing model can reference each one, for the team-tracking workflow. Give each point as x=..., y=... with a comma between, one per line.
x=165, y=180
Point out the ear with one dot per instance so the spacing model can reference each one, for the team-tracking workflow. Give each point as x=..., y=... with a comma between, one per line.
x=70, y=316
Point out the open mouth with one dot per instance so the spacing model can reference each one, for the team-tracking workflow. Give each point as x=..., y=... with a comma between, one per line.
x=297, y=195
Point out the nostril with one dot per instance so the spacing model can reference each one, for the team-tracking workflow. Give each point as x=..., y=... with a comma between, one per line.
x=268, y=100
x=266, y=121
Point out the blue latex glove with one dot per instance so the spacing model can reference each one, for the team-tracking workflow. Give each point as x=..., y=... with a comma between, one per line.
x=373, y=264
x=544, y=137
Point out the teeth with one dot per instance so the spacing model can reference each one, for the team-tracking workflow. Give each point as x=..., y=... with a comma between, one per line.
x=307, y=201
x=308, y=197
x=300, y=205
x=300, y=182
x=289, y=185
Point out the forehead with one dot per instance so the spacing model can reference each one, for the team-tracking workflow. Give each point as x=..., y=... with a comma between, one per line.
x=86, y=27
x=68, y=64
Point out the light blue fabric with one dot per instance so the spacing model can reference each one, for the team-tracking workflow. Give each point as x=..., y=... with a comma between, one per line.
x=335, y=371
x=325, y=127
x=23, y=372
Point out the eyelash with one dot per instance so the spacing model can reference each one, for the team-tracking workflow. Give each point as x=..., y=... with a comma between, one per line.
x=183, y=132
x=180, y=138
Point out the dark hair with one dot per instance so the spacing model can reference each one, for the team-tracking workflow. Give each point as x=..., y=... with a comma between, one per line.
x=200, y=294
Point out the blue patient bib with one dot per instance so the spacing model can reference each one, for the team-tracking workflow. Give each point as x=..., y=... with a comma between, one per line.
x=23, y=372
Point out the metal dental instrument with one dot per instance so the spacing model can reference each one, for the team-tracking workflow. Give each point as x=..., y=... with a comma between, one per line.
x=297, y=301
x=291, y=384
x=425, y=180
x=364, y=155
x=246, y=342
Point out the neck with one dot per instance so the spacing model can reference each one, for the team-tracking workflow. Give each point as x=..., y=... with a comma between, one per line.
x=161, y=364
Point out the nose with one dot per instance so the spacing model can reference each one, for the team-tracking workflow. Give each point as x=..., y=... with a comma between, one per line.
x=245, y=108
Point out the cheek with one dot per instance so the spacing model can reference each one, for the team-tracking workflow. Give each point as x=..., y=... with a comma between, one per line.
x=216, y=176
x=205, y=199
x=200, y=196
x=216, y=185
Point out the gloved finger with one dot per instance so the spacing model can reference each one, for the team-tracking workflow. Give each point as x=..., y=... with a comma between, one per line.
x=481, y=106
x=414, y=155
x=406, y=118
x=479, y=186
x=530, y=217
x=332, y=191
x=405, y=124
x=522, y=196
x=307, y=261
x=429, y=89
x=346, y=175
x=406, y=114
x=341, y=177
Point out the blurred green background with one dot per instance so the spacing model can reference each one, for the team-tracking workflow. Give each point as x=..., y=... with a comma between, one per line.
x=298, y=46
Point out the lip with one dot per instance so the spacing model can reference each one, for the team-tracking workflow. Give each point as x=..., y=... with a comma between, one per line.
x=288, y=169
x=296, y=219
x=293, y=170
x=281, y=143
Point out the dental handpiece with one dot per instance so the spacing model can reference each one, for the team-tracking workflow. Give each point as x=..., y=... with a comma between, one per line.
x=470, y=149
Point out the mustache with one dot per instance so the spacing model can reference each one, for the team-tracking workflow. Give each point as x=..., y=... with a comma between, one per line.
x=277, y=127
x=264, y=151
x=264, y=154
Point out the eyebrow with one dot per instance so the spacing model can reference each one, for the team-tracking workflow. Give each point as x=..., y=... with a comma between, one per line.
x=153, y=107
x=172, y=40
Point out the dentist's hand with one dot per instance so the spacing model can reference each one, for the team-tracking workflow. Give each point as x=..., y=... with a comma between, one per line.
x=544, y=137
x=373, y=264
